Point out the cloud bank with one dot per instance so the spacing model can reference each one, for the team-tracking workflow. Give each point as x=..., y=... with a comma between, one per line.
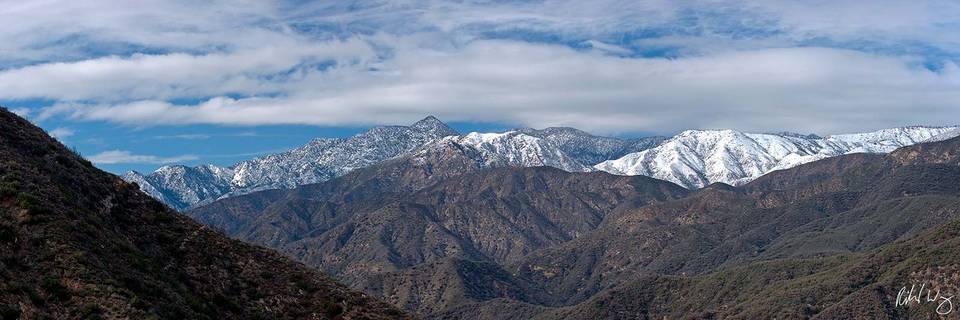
x=123, y=156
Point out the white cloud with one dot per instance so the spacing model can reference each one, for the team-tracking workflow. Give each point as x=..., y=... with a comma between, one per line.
x=62, y=30
x=62, y=133
x=178, y=75
x=22, y=112
x=804, y=89
x=608, y=48
x=66, y=30
x=184, y=137
x=749, y=65
x=122, y=156
x=891, y=23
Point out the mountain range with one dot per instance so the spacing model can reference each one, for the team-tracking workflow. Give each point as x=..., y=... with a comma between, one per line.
x=444, y=236
x=184, y=187
x=463, y=228
x=697, y=158
x=692, y=159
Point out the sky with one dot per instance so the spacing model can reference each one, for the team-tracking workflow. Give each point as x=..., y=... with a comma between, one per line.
x=136, y=85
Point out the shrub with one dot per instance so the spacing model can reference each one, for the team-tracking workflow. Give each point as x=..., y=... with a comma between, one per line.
x=55, y=289
x=332, y=310
x=32, y=204
x=9, y=188
x=9, y=312
x=7, y=233
x=91, y=311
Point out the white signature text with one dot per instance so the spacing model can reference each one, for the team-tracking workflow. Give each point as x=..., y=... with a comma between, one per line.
x=922, y=295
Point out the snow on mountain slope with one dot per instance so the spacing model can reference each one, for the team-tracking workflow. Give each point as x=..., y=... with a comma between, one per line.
x=696, y=158
x=517, y=149
x=945, y=136
x=589, y=149
x=887, y=140
x=145, y=185
x=324, y=159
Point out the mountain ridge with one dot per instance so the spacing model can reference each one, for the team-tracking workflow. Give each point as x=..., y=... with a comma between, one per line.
x=692, y=158
x=319, y=160
x=322, y=159
x=696, y=158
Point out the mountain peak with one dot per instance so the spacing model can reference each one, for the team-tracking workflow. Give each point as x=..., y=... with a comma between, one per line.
x=431, y=123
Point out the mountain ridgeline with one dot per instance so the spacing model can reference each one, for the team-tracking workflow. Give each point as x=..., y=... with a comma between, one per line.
x=450, y=230
x=692, y=159
x=79, y=243
x=570, y=149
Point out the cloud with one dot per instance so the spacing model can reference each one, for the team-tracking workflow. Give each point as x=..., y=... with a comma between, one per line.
x=608, y=48
x=184, y=137
x=58, y=30
x=122, y=156
x=608, y=66
x=62, y=133
x=167, y=76
x=805, y=89
x=702, y=26
x=62, y=30
x=22, y=112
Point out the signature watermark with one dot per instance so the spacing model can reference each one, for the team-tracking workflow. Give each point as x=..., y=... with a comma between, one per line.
x=922, y=295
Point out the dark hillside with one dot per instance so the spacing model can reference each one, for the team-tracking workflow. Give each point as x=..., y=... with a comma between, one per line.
x=78, y=243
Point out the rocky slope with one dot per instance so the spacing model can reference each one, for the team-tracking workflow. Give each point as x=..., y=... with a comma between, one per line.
x=849, y=286
x=437, y=204
x=836, y=207
x=697, y=158
x=79, y=243
x=833, y=239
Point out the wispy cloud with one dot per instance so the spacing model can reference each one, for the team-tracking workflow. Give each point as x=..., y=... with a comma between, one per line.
x=22, y=112
x=122, y=156
x=167, y=76
x=184, y=137
x=62, y=133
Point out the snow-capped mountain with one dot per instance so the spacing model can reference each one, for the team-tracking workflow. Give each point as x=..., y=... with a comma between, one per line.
x=322, y=159
x=516, y=149
x=696, y=158
x=945, y=136
x=181, y=186
x=589, y=149
x=693, y=158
